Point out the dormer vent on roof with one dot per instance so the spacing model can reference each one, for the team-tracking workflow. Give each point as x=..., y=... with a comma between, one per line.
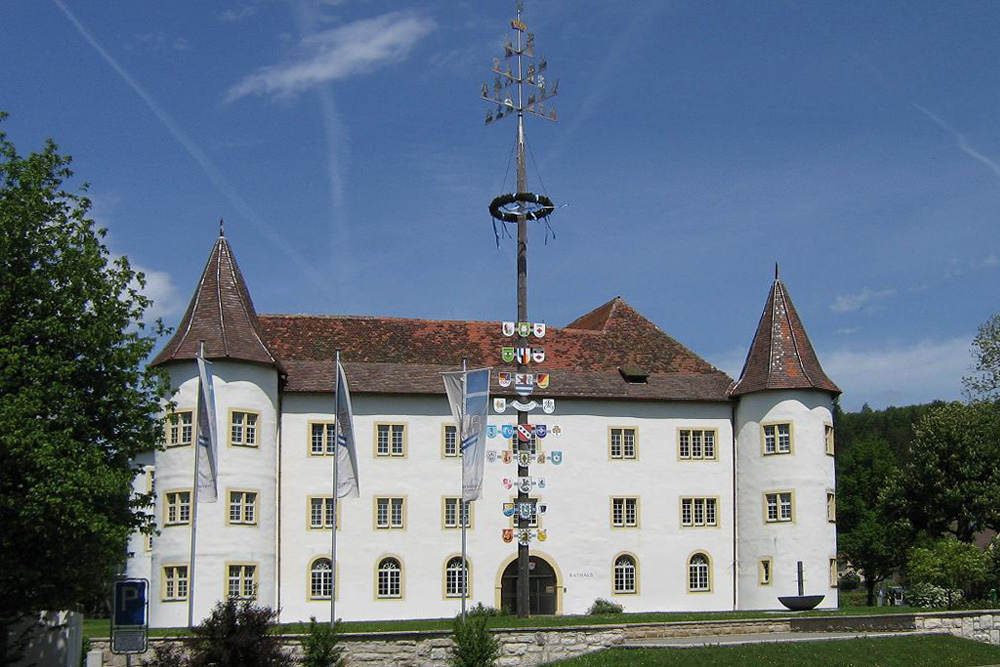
x=633, y=374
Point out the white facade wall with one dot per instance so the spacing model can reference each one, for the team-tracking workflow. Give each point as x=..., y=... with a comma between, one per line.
x=581, y=544
x=238, y=386
x=808, y=471
x=140, y=563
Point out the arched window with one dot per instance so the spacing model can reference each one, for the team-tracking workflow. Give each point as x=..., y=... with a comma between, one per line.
x=320, y=579
x=624, y=575
x=390, y=579
x=454, y=577
x=699, y=573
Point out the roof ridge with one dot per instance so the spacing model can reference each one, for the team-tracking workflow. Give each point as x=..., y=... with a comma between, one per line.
x=795, y=342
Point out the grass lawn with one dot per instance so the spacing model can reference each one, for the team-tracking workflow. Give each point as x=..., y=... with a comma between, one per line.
x=891, y=652
x=94, y=628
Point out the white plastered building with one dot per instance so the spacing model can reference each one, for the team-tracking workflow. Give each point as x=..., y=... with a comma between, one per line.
x=676, y=489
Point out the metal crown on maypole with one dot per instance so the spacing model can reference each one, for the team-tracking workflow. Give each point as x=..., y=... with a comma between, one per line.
x=518, y=73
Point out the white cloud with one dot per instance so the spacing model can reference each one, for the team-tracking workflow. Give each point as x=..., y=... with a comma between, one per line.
x=167, y=300
x=234, y=15
x=959, y=268
x=847, y=303
x=339, y=53
x=885, y=375
x=918, y=373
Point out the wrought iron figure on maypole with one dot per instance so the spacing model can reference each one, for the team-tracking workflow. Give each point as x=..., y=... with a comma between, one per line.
x=520, y=87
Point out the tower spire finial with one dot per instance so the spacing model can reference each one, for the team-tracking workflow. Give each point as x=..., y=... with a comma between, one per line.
x=777, y=272
x=221, y=229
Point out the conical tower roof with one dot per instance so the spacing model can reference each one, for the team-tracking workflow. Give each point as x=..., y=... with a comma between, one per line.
x=222, y=315
x=781, y=356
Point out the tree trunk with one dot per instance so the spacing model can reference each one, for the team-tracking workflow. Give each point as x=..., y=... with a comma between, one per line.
x=870, y=586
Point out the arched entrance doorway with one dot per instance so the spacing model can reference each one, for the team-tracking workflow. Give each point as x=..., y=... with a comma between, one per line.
x=543, y=587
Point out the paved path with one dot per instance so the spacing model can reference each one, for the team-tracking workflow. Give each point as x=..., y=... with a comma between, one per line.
x=768, y=638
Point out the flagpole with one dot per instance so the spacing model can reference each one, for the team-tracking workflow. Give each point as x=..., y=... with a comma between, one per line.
x=463, y=506
x=194, y=495
x=336, y=457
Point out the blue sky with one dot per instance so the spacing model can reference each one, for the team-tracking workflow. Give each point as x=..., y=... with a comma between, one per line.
x=698, y=143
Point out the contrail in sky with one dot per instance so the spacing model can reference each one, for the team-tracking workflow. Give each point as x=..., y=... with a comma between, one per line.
x=963, y=143
x=214, y=173
x=337, y=154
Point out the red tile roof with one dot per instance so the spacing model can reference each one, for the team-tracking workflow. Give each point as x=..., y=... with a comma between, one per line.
x=222, y=315
x=396, y=355
x=781, y=356
x=406, y=356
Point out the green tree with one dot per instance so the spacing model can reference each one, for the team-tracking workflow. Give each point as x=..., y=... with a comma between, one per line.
x=947, y=562
x=475, y=645
x=321, y=645
x=238, y=633
x=871, y=531
x=76, y=403
x=984, y=384
x=952, y=478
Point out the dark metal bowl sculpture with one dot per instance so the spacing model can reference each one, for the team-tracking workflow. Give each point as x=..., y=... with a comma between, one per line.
x=801, y=602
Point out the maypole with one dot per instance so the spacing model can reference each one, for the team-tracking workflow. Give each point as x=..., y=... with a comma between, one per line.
x=508, y=94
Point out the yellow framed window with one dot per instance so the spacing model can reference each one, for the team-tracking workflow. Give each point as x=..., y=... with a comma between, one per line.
x=390, y=440
x=624, y=575
x=320, y=579
x=243, y=428
x=452, y=506
x=777, y=439
x=699, y=512
x=322, y=438
x=243, y=507
x=176, y=507
x=624, y=512
x=449, y=442
x=175, y=583
x=622, y=443
x=779, y=507
x=321, y=510
x=697, y=443
x=389, y=513
x=180, y=428
x=389, y=583
x=241, y=581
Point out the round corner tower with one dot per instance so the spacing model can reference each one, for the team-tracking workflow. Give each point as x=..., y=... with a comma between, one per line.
x=235, y=536
x=785, y=482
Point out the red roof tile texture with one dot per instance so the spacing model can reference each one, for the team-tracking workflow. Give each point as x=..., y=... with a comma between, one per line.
x=222, y=315
x=393, y=355
x=407, y=356
x=781, y=356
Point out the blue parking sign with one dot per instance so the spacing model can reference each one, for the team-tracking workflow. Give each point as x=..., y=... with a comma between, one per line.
x=130, y=602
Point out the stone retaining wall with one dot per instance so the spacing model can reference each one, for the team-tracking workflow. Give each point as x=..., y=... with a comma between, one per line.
x=982, y=626
x=525, y=647
x=518, y=648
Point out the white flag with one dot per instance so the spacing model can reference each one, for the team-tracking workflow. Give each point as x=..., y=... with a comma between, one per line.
x=347, y=454
x=208, y=439
x=469, y=396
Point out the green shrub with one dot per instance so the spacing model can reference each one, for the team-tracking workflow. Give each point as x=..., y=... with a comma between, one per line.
x=321, y=645
x=482, y=610
x=849, y=582
x=238, y=634
x=929, y=595
x=475, y=645
x=602, y=606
